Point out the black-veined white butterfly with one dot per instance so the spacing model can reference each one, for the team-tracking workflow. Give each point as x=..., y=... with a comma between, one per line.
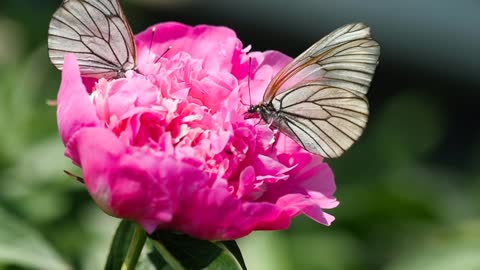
x=99, y=35
x=319, y=99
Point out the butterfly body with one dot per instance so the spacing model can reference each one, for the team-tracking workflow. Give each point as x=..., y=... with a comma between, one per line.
x=264, y=110
x=274, y=118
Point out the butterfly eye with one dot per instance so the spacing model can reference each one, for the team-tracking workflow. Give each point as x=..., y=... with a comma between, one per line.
x=97, y=33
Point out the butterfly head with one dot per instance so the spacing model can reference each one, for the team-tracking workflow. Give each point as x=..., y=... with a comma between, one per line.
x=253, y=111
x=263, y=111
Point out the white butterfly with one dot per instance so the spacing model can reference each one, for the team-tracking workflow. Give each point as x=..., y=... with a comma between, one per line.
x=321, y=103
x=97, y=33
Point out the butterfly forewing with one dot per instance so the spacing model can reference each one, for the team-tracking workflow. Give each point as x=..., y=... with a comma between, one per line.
x=348, y=50
x=97, y=32
x=319, y=98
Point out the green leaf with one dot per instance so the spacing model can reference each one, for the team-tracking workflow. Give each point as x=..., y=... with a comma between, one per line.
x=235, y=250
x=184, y=252
x=126, y=246
x=119, y=248
x=23, y=246
x=151, y=259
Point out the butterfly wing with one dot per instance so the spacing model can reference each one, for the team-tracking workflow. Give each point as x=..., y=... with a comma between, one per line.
x=346, y=58
x=97, y=32
x=324, y=120
x=324, y=107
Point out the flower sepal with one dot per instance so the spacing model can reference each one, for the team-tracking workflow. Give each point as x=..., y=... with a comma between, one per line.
x=132, y=247
x=191, y=253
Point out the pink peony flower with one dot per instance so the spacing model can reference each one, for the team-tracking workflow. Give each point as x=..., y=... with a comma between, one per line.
x=169, y=147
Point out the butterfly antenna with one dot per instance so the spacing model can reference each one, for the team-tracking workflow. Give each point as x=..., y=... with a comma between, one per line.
x=248, y=82
x=154, y=29
x=163, y=54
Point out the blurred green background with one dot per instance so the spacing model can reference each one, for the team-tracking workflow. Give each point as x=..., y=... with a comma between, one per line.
x=409, y=189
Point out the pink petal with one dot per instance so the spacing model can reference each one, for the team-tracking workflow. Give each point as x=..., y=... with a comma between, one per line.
x=214, y=44
x=266, y=66
x=316, y=213
x=74, y=111
x=122, y=183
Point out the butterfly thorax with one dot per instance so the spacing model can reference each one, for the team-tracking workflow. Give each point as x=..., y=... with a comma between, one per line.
x=265, y=110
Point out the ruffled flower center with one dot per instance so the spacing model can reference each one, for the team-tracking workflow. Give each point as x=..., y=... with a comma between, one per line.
x=176, y=107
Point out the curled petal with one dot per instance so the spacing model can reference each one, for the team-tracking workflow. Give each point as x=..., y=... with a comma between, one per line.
x=75, y=110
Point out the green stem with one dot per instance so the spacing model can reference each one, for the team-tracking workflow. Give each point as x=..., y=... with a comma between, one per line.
x=167, y=256
x=136, y=245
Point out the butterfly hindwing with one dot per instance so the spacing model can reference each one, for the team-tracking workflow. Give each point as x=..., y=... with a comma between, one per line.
x=324, y=120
